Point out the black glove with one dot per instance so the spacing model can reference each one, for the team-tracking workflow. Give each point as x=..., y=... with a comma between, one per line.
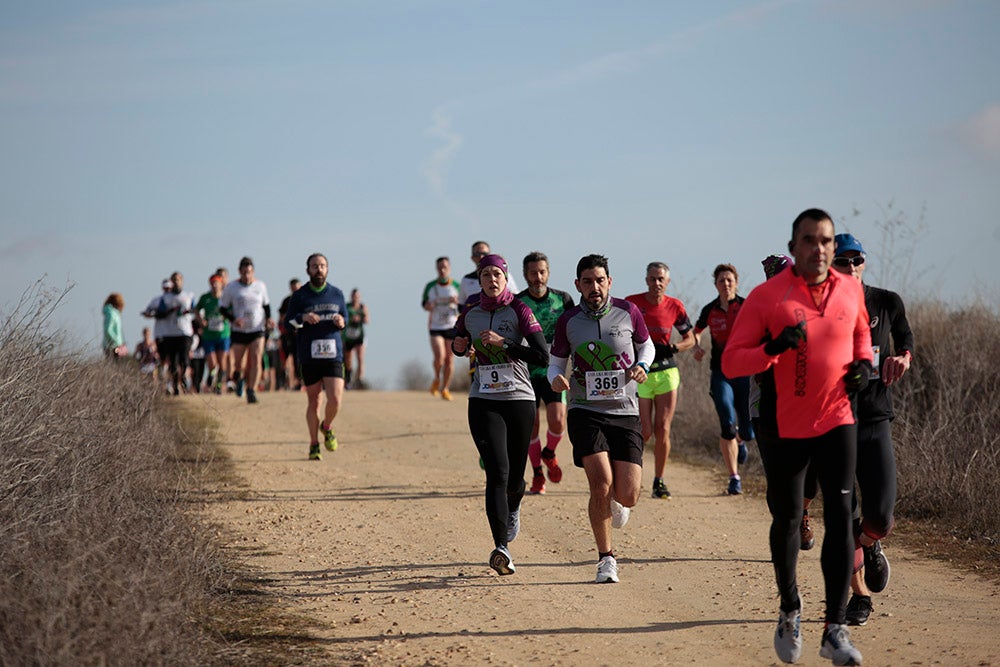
x=788, y=339
x=858, y=374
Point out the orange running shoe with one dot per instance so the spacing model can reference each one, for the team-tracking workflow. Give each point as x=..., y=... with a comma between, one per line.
x=537, y=485
x=434, y=387
x=445, y=394
x=552, y=463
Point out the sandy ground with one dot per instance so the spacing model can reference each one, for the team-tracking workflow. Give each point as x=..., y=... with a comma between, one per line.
x=385, y=544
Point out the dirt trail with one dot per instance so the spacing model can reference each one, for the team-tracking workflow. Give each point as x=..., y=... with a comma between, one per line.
x=384, y=543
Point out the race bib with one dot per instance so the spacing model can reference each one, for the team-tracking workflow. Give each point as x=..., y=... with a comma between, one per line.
x=217, y=323
x=876, y=361
x=605, y=385
x=496, y=378
x=325, y=348
x=352, y=332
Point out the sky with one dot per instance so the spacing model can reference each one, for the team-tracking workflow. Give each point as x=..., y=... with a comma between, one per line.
x=142, y=138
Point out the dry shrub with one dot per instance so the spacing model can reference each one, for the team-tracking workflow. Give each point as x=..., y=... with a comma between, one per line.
x=947, y=429
x=99, y=564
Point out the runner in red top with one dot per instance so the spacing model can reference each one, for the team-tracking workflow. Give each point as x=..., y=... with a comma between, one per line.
x=658, y=395
x=809, y=325
x=730, y=395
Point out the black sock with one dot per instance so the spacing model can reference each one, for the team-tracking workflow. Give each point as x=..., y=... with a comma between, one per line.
x=538, y=470
x=602, y=554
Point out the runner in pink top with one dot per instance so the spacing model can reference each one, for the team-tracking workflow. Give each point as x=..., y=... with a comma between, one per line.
x=810, y=327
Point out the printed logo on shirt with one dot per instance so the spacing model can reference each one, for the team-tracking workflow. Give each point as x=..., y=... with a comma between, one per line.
x=874, y=322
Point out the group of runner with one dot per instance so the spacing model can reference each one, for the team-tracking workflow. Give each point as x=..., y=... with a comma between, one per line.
x=803, y=364
x=224, y=337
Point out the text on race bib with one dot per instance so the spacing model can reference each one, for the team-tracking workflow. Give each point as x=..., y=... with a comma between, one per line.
x=325, y=348
x=605, y=385
x=496, y=378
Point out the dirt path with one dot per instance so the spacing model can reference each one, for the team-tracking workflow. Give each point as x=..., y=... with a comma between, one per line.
x=384, y=543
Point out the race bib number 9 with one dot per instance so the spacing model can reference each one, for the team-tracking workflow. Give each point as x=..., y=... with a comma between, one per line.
x=605, y=385
x=325, y=348
x=496, y=378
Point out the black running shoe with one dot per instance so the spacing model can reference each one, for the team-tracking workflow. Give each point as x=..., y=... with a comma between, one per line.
x=876, y=567
x=660, y=490
x=251, y=396
x=859, y=608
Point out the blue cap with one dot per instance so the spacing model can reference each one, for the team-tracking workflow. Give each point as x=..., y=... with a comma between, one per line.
x=846, y=243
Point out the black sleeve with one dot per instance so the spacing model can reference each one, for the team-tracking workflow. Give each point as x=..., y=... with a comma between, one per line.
x=227, y=312
x=267, y=311
x=535, y=353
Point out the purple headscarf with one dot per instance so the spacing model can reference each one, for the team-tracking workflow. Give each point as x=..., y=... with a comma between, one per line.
x=491, y=303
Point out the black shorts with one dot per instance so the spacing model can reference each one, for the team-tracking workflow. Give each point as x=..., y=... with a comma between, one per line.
x=544, y=393
x=288, y=344
x=592, y=432
x=315, y=371
x=241, y=338
x=447, y=334
x=351, y=344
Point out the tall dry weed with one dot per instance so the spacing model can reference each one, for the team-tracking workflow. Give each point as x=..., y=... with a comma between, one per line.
x=99, y=565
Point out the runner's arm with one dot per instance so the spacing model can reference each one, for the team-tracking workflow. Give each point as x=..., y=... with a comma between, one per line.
x=535, y=352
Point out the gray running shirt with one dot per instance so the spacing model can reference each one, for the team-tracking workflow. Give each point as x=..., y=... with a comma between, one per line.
x=497, y=376
x=600, y=351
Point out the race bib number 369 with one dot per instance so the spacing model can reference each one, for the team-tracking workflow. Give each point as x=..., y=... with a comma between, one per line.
x=325, y=348
x=605, y=385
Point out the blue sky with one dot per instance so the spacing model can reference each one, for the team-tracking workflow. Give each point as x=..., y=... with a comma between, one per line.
x=142, y=138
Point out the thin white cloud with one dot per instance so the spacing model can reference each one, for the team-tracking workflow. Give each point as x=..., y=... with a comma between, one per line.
x=435, y=169
x=982, y=131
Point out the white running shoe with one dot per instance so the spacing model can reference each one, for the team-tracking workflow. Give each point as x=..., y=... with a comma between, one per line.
x=501, y=561
x=513, y=524
x=619, y=514
x=607, y=570
x=788, y=636
x=837, y=646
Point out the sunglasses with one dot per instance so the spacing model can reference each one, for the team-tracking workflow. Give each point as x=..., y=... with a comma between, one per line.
x=848, y=261
x=480, y=254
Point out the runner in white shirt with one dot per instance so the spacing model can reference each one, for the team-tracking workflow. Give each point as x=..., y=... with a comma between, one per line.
x=246, y=304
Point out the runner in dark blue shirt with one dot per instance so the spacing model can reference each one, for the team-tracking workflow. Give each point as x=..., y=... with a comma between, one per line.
x=316, y=312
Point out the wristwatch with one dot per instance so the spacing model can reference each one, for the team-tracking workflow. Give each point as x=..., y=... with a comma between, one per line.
x=644, y=366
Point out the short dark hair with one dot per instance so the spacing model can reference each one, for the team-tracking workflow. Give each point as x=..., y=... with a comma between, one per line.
x=246, y=261
x=442, y=258
x=313, y=256
x=722, y=268
x=814, y=214
x=533, y=256
x=591, y=262
x=473, y=248
x=293, y=281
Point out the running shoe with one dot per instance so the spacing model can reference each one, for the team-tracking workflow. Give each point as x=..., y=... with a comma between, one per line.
x=859, y=608
x=607, y=571
x=434, y=387
x=239, y=388
x=329, y=439
x=788, y=636
x=876, y=568
x=537, y=485
x=251, y=396
x=806, y=539
x=660, y=489
x=218, y=389
x=314, y=453
x=445, y=394
x=513, y=525
x=837, y=646
x=552, y=463
x=619, y=514
x=501, y=562
x=735, y=486
x=742, y=453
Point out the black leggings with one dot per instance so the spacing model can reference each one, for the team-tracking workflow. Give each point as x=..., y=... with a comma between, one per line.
x=501, y=430
x=876, y=474
x=833, y=457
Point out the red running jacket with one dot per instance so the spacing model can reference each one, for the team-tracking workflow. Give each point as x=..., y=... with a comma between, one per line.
x=809, y=397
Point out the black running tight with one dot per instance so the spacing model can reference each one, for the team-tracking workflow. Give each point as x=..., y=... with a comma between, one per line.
x=501, y=430
x=832, y=457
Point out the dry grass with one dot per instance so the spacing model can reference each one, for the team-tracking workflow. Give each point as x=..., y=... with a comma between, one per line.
x=103, y=559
